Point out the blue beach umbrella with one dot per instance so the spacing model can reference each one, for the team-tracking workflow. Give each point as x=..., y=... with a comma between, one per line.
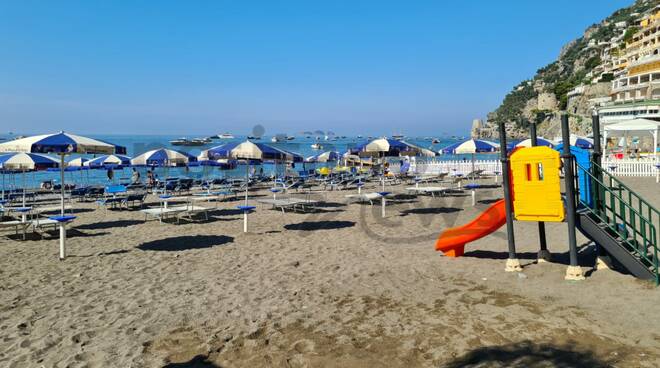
x=580, y=142
x=327, y=156
x=109, y=161
x=248, y=152
x=24, y=162
x=77, y=162
x=471, y=146
x=163, y=157
x=62, y=144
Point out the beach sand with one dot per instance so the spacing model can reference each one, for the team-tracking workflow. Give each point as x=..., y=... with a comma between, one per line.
x=340, y=287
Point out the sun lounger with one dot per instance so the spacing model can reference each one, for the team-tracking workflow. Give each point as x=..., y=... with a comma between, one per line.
x=364, y=197
x=16, y=224
x=293, y=203
x=190, y=211
x=187, y=211
x=134, y=198
x=428, y=190
x=161, y=213
x=41, y=224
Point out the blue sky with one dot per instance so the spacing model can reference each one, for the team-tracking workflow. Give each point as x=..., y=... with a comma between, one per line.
x=205, y=67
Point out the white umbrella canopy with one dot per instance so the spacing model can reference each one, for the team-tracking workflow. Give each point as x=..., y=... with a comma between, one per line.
x=77, y=162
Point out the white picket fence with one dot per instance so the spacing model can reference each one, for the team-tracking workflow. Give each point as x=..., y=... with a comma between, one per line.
x=628, y=167
x=453, y=167
x=638, y=167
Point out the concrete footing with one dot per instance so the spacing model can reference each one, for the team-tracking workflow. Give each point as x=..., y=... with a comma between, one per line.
x=574, y=273
x=513, y=265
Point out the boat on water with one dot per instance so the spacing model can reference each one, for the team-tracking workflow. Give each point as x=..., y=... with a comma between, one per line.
x=225, y=136
x=253, y=137
x=398, y=136
x=290, y=138
x=276, y=139
x=189, y=142
x=317, y=146
x=435, y=141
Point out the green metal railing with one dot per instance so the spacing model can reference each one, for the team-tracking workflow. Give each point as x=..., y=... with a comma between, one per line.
x=624, y=213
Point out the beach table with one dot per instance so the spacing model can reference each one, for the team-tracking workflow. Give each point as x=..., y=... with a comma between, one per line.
x=63, y=221
x=473, y=192
x=383, y=196
x=246, y=210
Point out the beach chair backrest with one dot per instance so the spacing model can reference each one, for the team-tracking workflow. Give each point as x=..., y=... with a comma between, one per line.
x=114, y=189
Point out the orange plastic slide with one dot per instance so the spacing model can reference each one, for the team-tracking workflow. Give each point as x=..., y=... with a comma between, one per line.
x=452, y=241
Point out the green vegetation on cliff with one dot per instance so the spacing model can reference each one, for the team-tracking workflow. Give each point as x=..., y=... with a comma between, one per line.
x=577, y=64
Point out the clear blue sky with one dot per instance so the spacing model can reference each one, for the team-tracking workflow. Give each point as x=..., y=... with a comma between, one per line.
x=204, y=67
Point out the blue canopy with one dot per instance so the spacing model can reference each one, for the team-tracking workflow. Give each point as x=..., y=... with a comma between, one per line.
x=471, y=146
x=26, y=162
x=248, y=151
x=61, y=143
x=163, y=157
x=109, y=161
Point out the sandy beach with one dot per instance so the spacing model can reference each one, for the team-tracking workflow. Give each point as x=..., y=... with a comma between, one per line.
x=339, y=287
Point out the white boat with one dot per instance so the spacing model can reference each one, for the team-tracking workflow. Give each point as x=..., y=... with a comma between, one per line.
x=225, y=136
x=317, y=146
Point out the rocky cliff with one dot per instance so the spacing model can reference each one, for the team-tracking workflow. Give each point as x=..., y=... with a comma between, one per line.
x=574, y=83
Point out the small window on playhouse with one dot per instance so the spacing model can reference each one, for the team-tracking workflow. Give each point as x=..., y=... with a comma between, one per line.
x=530, y=173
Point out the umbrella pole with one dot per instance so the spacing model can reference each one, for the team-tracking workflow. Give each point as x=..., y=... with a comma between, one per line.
x=62, y=181
x=472, y=179
x=23, y=177
x=247, y=181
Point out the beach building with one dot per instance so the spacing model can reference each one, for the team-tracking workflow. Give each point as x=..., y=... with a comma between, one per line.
x=635, y=91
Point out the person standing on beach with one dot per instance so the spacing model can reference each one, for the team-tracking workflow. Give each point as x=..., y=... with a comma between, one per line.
x=135, y=176
x=150, y=178
x=110, y=173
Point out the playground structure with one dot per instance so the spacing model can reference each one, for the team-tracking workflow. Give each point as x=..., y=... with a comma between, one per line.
x=621, y=223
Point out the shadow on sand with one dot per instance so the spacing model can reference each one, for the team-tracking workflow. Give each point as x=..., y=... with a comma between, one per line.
x=180, y=243
x=108, y=224
x=199, y=361
x=586, y=255
x=430, y=211
x=529, y=355
x=319, y=225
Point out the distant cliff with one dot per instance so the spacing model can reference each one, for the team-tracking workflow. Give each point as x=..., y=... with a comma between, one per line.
x=578, y=79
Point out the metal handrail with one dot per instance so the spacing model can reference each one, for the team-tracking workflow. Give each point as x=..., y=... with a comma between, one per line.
x=646, y=228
